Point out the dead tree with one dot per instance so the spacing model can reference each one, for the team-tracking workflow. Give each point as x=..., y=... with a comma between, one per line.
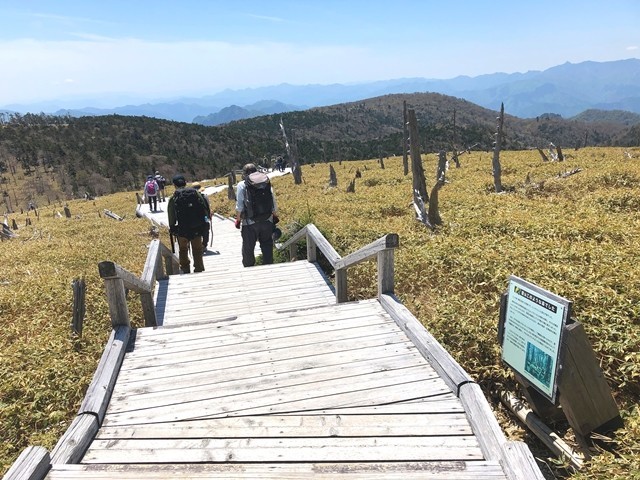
x=560, y=154
x=454, y=147
x=295, y=166
x=544, y=157
x=351, y=188
x=333, y=179
x=497, y=170
x=420, y=196
x=405, y=140
x=358, y=173
x=231, y=193
x=434, y=215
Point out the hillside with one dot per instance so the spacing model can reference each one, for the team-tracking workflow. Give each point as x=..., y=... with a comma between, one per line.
x=68, y=157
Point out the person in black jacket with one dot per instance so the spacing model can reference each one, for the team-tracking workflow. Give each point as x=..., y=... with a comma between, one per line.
x=186, y=212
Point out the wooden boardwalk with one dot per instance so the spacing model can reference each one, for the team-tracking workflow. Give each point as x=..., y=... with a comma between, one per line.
x=258, y=373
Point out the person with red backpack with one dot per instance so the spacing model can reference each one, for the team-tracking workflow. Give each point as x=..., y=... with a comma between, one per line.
x=151, y=192
x=186, y=212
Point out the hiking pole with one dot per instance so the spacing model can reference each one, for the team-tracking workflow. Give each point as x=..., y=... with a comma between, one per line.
x=211, y=233
x=173, y=247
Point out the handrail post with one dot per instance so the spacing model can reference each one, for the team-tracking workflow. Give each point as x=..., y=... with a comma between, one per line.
x=116, y=295
x=385, y=271
x=311, y=249
x=293, y=252
x=341, y=285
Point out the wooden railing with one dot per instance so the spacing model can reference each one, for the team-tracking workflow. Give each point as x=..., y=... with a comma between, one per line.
x=117, y=281
x=381, y=249
x=34, y=462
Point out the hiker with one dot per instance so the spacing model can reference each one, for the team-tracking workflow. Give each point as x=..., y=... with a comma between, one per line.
x=255, y=213
x=151, y=191
x=162, y=182
x=186, y=212
x=205, y=235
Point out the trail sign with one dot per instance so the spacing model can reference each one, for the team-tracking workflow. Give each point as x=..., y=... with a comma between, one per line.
x=531, y=334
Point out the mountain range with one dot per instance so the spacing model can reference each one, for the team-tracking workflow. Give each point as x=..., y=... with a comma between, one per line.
x=566, y=90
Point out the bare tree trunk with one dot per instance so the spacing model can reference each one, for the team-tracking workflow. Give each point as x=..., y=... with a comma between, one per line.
x=351, y=188
x=455, y=141
x=293, y=157
x=434, y=214
x=560, y=154
x=333, y=179
x=419, y=182
x=231, y=194
x=497, y=170
x=405, y=140
x=544, y=157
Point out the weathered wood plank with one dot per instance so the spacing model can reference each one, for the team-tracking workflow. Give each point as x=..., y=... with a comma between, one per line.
x=220, y=373
x=99, y=392
x=216, y=360
x=344, y=425
x=312, y=377
x=381, y=387
x=451, y=470
x=440, y=359
x=368, y=252
x=31, y=464
x=75, y=441
x=332, y=449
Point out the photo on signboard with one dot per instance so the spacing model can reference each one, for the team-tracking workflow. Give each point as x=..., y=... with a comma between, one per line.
x=539, y=364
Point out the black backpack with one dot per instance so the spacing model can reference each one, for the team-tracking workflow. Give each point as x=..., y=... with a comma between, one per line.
x=258, y=200
x=190, y=212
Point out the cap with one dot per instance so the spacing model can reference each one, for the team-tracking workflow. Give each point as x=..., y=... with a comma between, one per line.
x=197, y=186
x=277, y=233
x=179, y=181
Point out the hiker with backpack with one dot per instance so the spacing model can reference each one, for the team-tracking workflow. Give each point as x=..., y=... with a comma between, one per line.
x=256, y=214
x=205, y=235
x=162, y=182
x=151, y=192
x=186, y=212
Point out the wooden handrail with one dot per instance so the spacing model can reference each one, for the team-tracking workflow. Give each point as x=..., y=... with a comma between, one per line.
x=381, y=249
x=117, y=280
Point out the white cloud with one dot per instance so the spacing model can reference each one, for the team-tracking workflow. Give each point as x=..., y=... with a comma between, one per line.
x=632, y=48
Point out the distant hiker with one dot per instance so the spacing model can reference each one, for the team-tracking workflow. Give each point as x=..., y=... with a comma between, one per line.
x=205, y=235
x=151, y=191
x=255, y=212
x=186, y=212
x=161, y=184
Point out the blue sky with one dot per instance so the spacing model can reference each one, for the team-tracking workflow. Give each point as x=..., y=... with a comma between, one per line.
x=153, y=49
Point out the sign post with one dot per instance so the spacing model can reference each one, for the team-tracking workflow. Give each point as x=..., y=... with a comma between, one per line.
x=553, y=360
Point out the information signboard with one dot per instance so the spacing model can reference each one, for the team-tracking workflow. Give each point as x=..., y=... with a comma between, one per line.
x=532, y=334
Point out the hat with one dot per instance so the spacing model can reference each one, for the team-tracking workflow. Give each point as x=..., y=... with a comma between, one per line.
x=249, y=168
x=157, y=172
x=277, y=233
x=149, y=177
x=197, y=186
x=179, y=181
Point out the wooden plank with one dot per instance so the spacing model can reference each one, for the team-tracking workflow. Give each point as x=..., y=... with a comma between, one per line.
x=518, y=462
x=450, y=470
x=219, y=359
x=484, y=423
x=99, y=392
x=231, y=348
x=372, y=389
x=332, y=449
x=379, y=425
x=369, y=251
x=221, y=373
x=450, y=371
x=313, y=377
x=75, y=441
x=442, y=403
x=32, y=464
x=264, y=332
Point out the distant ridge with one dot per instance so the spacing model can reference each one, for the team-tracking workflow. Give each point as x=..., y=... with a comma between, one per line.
x=566, y=90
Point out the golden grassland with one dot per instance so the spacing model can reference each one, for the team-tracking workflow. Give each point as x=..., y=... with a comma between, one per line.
x=576, y=236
